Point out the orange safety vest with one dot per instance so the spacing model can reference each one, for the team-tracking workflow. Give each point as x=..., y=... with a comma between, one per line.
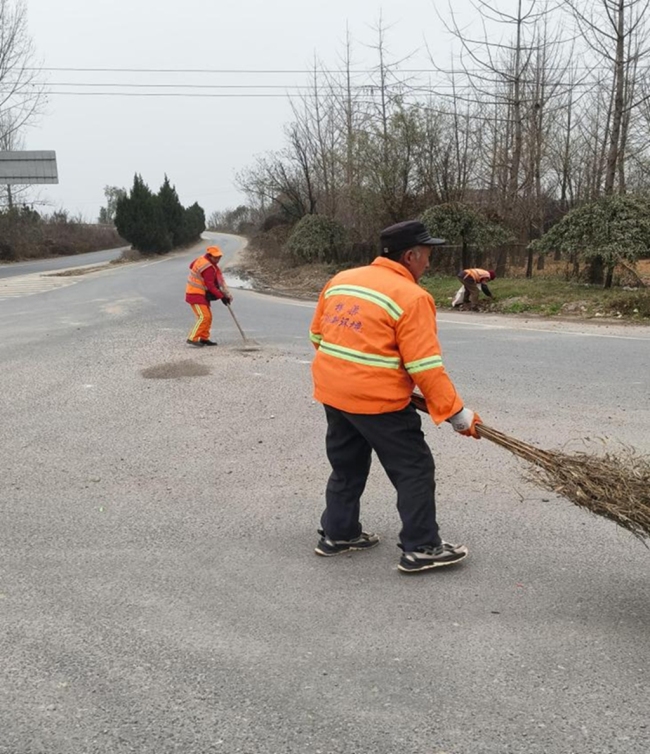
x=477, y=274
x=195, y=283
x=375, y=332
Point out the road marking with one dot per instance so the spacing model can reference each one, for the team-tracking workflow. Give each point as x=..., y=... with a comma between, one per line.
x=28, y=285
x=561, y=329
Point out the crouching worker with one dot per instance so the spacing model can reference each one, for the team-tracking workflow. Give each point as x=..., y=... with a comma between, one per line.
x=205, y=284
x=472, y=280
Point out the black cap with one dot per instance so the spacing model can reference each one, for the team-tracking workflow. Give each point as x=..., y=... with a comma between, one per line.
x=406, y=235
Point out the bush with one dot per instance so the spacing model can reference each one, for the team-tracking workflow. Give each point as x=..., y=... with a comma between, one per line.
x=604, y=233
x=316, y=238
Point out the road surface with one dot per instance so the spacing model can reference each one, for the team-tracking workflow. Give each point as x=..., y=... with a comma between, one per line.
x=59, y=263
x=158, y=588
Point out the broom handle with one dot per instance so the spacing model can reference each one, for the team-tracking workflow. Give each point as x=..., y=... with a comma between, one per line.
x=232, y=313
x=489, y=433
x=482, y=429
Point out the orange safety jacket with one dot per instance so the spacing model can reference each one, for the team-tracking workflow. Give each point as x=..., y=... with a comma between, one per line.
x=375, y=332
x=477, y=274
x=198, y=287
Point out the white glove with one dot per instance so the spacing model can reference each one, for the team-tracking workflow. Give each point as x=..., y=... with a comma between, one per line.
x=465, y=422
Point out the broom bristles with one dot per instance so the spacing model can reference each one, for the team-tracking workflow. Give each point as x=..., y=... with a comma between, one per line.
x=616, y=487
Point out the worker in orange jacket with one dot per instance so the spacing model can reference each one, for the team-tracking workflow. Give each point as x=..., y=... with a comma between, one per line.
x=473, y=279
x=205, y=283
x=375, y=335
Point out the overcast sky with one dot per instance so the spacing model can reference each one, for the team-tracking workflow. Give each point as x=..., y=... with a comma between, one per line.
x=199, y=142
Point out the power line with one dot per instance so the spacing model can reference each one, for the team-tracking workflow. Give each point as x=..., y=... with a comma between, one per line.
x=228, y=70
x=304, y=87
x=417, y=104
x=288, y=89
x=290, y=71
x=165, y=94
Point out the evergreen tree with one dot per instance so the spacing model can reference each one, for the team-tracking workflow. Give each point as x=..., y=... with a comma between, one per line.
x=139, y=219
x=193, y=223
x=173, y=212
x=156, y=223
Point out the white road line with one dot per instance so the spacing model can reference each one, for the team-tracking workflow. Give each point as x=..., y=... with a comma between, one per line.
x=561, y=328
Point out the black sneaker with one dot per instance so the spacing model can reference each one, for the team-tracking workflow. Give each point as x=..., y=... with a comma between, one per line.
x=195, y=343
x=426, y=558
x=208, y=342
x=327, y=546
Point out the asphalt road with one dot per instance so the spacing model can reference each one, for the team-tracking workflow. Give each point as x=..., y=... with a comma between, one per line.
x=59, y=263
x=158, y=588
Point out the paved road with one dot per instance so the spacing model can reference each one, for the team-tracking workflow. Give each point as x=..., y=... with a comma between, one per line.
x=59, y=263
x=158, y=591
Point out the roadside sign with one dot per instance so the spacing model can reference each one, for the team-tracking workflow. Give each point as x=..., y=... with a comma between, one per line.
x=28, y=167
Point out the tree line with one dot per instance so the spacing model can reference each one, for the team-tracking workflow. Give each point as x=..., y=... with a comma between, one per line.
x=545, y=110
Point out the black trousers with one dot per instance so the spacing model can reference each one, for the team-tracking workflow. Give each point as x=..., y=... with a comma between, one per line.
x=399, y=443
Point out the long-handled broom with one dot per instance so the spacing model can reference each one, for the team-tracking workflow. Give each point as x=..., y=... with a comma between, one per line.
x=616, y=487
x=249, y=345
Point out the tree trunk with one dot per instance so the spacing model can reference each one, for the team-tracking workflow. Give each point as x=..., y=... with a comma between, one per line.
x=596, y=271
x=613, y=155
x=529, y=262
x=465, y=260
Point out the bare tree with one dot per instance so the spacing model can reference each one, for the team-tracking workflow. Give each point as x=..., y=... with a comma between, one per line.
x=508, y=73
x=616, y=32
x=22, y=93
x=10, y=140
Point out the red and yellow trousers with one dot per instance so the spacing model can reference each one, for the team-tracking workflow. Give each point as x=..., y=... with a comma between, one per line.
x=201, y=329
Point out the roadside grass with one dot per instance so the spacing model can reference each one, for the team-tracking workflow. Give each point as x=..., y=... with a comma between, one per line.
x=549, y=297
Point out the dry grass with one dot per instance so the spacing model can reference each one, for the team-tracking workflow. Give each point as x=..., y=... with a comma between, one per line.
x=615, y=486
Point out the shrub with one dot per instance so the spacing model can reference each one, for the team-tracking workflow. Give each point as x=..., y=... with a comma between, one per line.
x=317, y=238
x=604, y=233
x=25, y=234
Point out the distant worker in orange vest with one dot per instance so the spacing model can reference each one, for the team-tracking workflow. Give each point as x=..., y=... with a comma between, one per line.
x=205, y=283
x=472, y=279
x=375, y=332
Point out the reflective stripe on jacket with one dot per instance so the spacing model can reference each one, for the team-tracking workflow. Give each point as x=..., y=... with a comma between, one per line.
x=477, y=274
x=198, y=284
x=374, y=329
x=195, y=282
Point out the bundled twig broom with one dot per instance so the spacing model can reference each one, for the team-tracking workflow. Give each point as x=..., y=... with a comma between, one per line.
x=616, y=487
